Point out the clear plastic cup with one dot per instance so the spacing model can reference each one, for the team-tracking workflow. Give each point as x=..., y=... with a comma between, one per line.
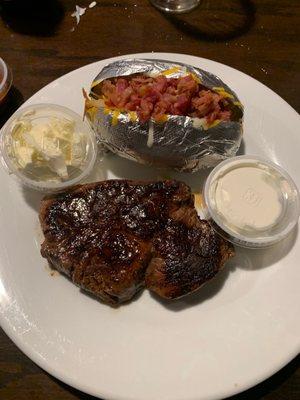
x=33, y=178
x=254, y=203
x=5, y=80
x=175, y=6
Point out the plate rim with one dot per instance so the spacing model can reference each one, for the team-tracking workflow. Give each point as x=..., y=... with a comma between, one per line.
x=40, y=361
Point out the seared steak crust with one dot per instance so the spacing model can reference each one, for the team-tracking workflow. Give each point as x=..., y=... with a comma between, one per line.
x=185, y=258
x=111, y=237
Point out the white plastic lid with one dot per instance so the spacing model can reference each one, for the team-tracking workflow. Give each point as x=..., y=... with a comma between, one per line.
x=44, y=112
x=251, y=201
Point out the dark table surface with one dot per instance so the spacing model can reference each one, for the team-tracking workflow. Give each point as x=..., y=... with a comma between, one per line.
x=39, y=42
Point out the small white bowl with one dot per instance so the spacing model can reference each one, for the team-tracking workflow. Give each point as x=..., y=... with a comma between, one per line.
x=248, y=205
x=5, y=79
x=43, y=112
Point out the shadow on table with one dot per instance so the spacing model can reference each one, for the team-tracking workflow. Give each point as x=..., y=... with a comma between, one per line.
x=216, y=21
x=11, y=103
x=32, y=17
x=255, y=393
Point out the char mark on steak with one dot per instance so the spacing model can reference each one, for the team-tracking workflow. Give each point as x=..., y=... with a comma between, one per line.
x=114, y=237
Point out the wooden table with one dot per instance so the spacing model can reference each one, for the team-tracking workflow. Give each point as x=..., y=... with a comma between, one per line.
x=42, y=42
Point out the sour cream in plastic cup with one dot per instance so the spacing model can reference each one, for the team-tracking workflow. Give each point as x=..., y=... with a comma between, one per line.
x=251, y=201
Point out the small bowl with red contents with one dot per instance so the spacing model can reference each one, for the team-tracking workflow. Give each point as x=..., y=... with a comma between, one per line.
x=5, y=80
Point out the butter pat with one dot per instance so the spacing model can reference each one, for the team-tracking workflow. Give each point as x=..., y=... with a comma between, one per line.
x=50, y=143
x=47, y=147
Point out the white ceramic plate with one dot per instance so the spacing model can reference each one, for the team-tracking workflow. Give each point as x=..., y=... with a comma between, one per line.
x=235, y=332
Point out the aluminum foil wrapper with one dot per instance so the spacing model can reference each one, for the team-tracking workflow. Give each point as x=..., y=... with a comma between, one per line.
x=182, y=143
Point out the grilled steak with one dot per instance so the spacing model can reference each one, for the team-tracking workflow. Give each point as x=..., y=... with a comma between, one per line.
x=114, y=237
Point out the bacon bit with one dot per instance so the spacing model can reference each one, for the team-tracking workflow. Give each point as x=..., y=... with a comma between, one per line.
x=155, y=97
x=162, y=118
x=187, y=85
x=121, y=85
